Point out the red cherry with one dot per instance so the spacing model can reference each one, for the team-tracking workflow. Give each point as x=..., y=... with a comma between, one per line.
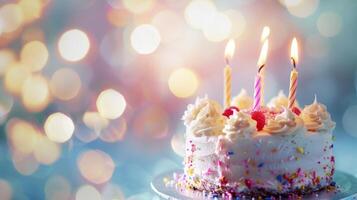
x=260, y=118
x=229, y=111
x=223, y=180
x=296, y=110
x=248, y=183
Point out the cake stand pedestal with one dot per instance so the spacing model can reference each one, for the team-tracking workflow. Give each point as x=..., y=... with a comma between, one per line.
x=347, y=188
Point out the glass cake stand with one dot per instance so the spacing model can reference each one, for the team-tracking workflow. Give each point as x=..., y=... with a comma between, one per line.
x=347, y=188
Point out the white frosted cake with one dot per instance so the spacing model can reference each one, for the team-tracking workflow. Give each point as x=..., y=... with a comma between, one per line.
x=271, y=151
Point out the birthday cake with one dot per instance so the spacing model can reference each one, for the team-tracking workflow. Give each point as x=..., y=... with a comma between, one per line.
x=275, y=150
x=248, y=148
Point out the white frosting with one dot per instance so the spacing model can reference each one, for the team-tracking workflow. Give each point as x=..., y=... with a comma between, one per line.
x=316, y=118
x=242, y=100
x=262, y=159
x=285, y=123
x=204, y=118
x=284, y=148
x=279, y=101
x=239, y=124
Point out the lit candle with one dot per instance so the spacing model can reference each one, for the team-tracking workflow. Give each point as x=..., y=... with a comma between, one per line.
x=228, y=54
x=294, y=74
x=265, y=33
x=263, y=37
x=258, y=78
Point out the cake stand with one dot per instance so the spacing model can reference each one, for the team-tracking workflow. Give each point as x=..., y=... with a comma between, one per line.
x=347, y=188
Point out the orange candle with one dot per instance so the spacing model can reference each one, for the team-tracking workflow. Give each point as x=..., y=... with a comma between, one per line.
x=228, y=54
x=294, y=74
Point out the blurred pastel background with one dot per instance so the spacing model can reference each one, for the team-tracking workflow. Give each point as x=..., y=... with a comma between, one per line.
x=92, y=91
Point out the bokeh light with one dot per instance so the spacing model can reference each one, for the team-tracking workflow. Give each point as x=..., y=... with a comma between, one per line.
x=35, y=93
x=14, y=78
x=6, y=104
x=25, y=164
x=329, y=24
x=289, y=2
x=145, y=39
x=65, y=84
x=11, y=17
x=110, y=104
x=95, y=121
x=138, y=6
x=73, y=45
x=238, y=23
x=302, y=8
x=88, y=192
x=31, y=9
x=178, y=144
x=22, y=135
x=218, y=29
x=34, y=55
x=46, y=152
x=145, y=124
x=169, y=24
x=115, y=131
x=5, y=190
x=199, y=12
x=183, y=82
x=7, y=57
x=59, y=127
x=349, y=120
x=96, y=166
x=57, y=188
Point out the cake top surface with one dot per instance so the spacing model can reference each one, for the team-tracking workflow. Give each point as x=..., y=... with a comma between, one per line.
x=206, y=118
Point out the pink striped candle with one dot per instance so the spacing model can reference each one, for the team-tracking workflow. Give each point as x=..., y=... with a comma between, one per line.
x=257, y=92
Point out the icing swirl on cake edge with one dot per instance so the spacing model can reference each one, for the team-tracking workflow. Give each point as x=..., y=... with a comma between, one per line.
x=317, y=118
x=239, y=124
x=284, y=123
x=204, y=118
x=242, y=100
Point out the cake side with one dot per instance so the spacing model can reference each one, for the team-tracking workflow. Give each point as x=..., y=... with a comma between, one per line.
x=290, y=153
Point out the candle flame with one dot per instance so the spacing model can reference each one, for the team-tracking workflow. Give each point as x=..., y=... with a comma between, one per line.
x=294, y=54
x=229, y=51
x=263, y=54
x=265, y=33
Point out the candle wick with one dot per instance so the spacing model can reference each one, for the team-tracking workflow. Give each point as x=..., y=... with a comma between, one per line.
x=227, y=61
x=294, y=63
x=261, y=67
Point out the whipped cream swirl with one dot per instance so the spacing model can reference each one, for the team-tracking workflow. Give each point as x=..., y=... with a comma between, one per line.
x=279, y=101
x=204, y=118
x=286, y=122
x=242, y=100
x=239, y=124
x=317, y=118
